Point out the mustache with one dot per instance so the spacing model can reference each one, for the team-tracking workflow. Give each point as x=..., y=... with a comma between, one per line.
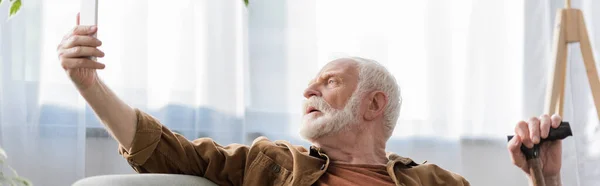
x=318, y=103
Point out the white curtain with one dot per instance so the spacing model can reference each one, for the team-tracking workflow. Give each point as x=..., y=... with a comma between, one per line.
x=217, y=69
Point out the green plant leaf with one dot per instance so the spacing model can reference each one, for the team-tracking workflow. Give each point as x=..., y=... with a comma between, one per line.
x=245, y=2
x=22, y=181
x=2, y=156
x=14, y=8
x=0, y=2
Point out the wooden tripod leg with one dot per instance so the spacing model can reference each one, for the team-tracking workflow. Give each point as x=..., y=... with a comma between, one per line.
x=590, y=66
x=556, y=81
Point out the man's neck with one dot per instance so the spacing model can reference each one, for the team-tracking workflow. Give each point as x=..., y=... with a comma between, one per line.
x=355, y=146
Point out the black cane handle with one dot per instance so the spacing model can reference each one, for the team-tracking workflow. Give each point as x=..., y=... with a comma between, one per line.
x=561, y=132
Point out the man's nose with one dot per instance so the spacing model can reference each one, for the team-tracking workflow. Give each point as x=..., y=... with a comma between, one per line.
x=311, y=91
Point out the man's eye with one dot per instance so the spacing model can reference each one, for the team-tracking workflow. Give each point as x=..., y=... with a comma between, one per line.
x=331, y=81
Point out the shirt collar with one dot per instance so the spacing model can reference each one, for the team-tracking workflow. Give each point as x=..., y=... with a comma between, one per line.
x=316, y=152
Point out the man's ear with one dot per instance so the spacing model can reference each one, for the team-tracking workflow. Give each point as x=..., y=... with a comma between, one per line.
x=377, y=101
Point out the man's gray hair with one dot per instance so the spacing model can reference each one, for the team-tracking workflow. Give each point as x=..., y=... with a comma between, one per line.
x=374, y=76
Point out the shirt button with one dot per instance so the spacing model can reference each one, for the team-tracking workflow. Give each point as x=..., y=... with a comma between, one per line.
x=323, y=167
x=275, y=168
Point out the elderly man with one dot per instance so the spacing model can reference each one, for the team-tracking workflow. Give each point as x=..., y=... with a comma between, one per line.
x=351, y=109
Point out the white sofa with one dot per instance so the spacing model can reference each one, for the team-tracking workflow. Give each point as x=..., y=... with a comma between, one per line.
x=144, y=179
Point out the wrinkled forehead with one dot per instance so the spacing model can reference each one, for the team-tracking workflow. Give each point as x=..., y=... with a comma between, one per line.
x=342, y=66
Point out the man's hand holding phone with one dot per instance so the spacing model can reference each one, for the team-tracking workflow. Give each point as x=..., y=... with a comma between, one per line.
x=75, y=51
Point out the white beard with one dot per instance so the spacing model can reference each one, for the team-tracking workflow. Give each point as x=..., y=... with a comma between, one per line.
x=330, y=120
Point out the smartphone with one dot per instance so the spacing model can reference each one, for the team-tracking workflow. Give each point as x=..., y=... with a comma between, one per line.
x=88, y=15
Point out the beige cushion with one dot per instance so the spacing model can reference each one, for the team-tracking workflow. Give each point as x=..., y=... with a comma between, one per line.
x=144, y=179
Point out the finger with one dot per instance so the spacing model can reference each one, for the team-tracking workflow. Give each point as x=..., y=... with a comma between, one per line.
x=556, y=119
x=77, y=18
x=84, y=30
x=522, y=130
x=534, y=130
x=545, y=124
x=77, y=40
x=71, y=63
x=514, y=148
x=77, y=52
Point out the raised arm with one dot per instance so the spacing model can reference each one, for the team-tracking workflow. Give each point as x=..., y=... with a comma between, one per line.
x=148, y=146
x=119, y=118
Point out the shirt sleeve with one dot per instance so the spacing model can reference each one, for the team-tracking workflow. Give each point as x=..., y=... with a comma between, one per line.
x=156, y=149
x=447, y=177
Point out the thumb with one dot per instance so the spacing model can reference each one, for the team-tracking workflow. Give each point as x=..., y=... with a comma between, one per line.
x=77, y=18
x=514, y=148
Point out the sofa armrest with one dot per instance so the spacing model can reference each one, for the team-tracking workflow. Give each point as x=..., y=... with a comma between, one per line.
x=144, y=179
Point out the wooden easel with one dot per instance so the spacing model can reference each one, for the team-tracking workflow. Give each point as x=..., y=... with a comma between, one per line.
x=569, y=28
